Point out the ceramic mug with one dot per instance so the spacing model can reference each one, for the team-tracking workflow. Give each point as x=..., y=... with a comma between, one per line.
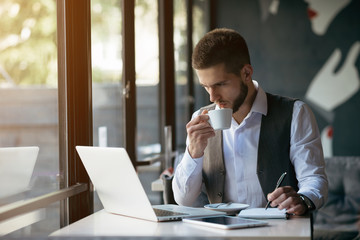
x=220, y=119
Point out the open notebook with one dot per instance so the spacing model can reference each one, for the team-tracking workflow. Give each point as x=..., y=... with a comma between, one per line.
x=120, y=190
x=262, y=213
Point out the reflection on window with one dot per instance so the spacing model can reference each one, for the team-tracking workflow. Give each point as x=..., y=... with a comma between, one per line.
x=147, y=77
x=29, y=104
x=181, y=72
x=200, y=16
x=201, y=25
x=106, y=50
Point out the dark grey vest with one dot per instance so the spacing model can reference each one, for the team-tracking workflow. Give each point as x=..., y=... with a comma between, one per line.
x=273, y=151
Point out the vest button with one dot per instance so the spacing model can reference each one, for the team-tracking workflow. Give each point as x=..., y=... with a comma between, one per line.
x=222, y=171
x=220, y=194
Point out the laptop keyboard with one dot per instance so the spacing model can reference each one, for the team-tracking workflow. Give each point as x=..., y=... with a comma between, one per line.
x=163, y=213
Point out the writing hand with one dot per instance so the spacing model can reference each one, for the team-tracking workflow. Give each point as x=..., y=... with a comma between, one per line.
x=199, y=131
x=287, y=198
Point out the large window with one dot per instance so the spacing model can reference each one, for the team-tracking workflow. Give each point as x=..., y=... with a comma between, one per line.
x=89, y=72
x=147, y=78
x=29, y=110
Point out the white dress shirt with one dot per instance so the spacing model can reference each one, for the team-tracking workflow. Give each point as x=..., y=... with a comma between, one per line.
x=240, y=146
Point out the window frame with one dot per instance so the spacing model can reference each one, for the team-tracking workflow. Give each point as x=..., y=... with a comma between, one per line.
x=75, y=103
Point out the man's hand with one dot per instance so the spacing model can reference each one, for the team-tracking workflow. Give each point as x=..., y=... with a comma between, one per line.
x=199, y=131
x=287, y=198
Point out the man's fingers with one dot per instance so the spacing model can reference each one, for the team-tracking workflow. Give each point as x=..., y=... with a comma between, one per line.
x=287, y=198
x=279, y=200
x=199, y=131
x=199, y=119
x=289, y=202
x=281, y=195
x=201, y=127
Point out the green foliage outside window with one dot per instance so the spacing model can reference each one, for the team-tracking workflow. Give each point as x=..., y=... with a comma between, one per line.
x=28, y=50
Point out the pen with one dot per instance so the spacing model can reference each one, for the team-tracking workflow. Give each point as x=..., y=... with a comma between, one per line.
x=281, y=179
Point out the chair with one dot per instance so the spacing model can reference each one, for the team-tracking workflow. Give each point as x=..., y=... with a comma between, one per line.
x=339, y=218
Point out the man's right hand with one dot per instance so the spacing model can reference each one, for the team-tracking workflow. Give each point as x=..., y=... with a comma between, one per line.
x=199, y=131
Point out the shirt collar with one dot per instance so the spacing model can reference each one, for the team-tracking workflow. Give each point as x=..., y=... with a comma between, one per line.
x=260, y=102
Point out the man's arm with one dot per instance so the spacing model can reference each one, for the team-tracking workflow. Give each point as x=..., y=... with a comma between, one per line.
x=307, y=157
x=187, y=180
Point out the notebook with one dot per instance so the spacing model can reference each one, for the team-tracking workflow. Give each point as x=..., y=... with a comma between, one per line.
x=120, y=190
x=16, y=168
x=262, y=213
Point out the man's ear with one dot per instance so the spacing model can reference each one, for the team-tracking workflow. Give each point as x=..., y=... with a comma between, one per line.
x=248, y=71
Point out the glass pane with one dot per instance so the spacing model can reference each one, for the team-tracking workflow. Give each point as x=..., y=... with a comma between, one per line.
x=147, y=92
x=106, y=41
x=147, y=77
x=200, y=27
x=29, y=109
x=183, y=98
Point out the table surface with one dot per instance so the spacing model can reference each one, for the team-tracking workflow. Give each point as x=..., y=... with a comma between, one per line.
x=106, y=224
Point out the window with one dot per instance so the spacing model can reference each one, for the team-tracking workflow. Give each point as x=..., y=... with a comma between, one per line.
x=182, y=55
x=201, y=24
x=191, y=22
x=70, y=75
x=29, y=108
x=147, y=78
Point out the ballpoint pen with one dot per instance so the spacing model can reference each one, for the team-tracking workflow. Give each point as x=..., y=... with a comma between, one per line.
x=281, y=179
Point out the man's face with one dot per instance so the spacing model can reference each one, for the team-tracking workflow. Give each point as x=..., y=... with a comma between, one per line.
x=227, y=90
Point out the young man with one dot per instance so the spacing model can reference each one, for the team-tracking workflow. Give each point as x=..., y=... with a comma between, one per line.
x=269, y=135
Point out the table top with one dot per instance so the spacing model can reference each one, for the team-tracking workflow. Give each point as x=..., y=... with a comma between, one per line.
x=106, y=224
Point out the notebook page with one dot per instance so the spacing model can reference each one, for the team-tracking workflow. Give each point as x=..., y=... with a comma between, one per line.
x=262, y=213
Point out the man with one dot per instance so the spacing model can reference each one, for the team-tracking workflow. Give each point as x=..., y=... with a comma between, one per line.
x=269, y=135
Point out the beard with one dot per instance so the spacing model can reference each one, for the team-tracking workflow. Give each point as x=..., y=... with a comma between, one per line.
x=241, y=97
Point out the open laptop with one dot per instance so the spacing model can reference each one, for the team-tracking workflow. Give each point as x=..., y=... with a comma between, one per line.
x=120, y=190
x=16, y=168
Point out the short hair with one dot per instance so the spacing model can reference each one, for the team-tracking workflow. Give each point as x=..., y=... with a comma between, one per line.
x=218, y=46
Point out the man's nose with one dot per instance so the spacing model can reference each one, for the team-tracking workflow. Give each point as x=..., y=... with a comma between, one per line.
x=214, y=96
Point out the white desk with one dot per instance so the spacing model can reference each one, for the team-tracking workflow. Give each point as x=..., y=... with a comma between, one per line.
x=105, y=224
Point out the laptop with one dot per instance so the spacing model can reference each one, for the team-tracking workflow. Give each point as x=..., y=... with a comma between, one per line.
x=16, y=168
x=120, y=190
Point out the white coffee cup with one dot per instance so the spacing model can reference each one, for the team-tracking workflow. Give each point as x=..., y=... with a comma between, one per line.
x=220, y=119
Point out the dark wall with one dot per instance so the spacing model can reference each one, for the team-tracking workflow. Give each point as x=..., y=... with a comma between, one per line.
x=292, y=58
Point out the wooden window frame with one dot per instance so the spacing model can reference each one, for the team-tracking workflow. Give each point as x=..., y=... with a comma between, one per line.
x=75, y=103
